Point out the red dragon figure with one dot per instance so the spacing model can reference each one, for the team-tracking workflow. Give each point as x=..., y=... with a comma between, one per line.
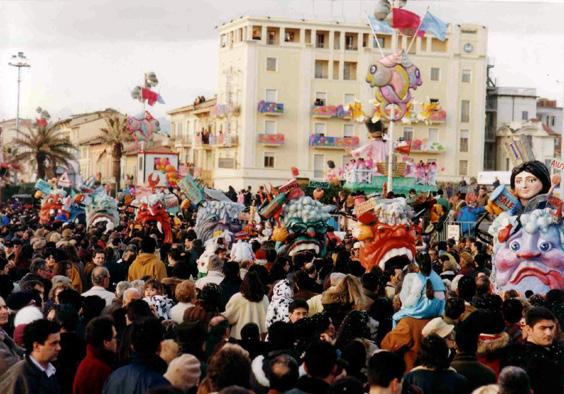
x=155, y=212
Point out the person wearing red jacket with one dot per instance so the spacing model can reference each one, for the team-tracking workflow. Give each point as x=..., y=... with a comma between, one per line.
x=96, y=367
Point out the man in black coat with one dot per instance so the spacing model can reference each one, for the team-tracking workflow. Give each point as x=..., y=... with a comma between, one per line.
x=35, y=374
x=541, y=356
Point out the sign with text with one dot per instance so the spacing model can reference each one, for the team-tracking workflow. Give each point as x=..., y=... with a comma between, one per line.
x=453, y=231
x=557, y=164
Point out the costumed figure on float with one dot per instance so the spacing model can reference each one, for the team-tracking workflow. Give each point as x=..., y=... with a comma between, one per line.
x=528, y=232
x=153, y=209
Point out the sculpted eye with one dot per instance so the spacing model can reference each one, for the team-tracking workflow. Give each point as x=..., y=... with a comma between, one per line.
x=373, y=69
x=515, y=246
x=417, y=73
x=544, y=246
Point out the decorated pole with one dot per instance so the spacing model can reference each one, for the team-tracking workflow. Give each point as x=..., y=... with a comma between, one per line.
x=391, y=150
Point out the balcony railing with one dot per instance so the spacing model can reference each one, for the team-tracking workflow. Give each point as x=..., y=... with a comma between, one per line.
x=422, y=146
x=271, y=139
x=222, y=110
x=220, y=139
x=438, y=116
x=321, y=141
x=330, y=111
x=270, y=108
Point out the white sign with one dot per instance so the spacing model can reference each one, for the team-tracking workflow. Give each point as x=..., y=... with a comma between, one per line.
x=453, y=231
x=557, y=164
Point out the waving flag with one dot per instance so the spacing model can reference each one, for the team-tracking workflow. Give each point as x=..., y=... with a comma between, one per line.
x=406, y=21
x=432, y=24
x=379, y=26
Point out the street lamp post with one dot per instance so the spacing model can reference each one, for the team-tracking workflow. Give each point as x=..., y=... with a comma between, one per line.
x=19, y=61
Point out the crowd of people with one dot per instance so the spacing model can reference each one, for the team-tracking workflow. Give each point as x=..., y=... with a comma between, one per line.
x=95, y=311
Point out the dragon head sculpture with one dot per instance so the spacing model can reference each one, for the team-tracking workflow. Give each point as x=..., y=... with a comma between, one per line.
x=103, y=208
x=152, y=210
x=216, y=217
x=386, y=231
x=305, y=223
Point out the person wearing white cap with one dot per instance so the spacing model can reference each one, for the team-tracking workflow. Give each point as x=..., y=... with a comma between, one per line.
x=441, y=328
x=184, y=372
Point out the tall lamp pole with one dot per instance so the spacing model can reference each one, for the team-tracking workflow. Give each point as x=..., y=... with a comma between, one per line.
x=19, y=61
x=561, y=82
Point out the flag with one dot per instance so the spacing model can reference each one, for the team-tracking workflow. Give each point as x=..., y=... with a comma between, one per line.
x=432, y=24
x=406, y=21
x=379, y=26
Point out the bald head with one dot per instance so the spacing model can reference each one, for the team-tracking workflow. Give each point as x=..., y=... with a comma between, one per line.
x=99, y=276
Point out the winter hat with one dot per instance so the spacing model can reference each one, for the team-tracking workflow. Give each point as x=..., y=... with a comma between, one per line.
x=27, y=314
x=437, y=326
x=184, y=372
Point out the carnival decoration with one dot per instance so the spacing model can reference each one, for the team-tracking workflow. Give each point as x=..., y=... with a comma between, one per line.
x=103, y=209
x=393, y=76
x=528, y=251
x=305, y=223
x=386, y=231
x=154, y=208
x=214, y=217
x=143, y=126
x=528, y=232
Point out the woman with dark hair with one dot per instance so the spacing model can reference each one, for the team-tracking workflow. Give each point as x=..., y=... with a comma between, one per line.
x=280, y=269
x=530, y=179
x=423, y=293
x=231, y=283
x=249, y=305
x=434, y=376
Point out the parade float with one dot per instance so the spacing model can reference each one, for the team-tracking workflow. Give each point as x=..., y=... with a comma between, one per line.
x=528, y=232
x=386, y=232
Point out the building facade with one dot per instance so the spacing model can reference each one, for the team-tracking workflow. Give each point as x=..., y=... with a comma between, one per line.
x=283, y=87
x=551, y=117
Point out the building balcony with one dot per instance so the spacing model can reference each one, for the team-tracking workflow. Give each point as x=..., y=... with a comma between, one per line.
x=271, y=139
x=438, y=116
x=424, y=148
x=270, y=108
x=224, y=110
x=322, y=142
x=330, y=111
x=215, y=140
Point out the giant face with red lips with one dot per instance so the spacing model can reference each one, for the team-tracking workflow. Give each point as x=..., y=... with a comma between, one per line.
x=387, y=234
x=529, y=255
x=153, y=211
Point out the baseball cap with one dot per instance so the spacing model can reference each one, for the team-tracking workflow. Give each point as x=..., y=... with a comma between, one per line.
x=437, y=326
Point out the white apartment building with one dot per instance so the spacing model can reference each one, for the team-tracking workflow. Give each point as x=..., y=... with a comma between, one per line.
x=283, y=85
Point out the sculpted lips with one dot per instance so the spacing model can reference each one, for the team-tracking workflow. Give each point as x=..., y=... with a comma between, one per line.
x=548, y=277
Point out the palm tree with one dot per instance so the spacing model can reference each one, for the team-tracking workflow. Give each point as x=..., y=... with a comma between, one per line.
x=45, y=147
x=114, y=135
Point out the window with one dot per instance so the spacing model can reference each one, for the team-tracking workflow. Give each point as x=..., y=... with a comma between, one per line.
x=381, y=43
x=225, y=162
x=268, y=160
x=320, y=128
x=270, y=127
x=350, y=42
x=349, y=98
x=187, y=131
x=524, y=115
x=435, y=73
x=308, y=36
x=179, y=129
x=271, y=95
x=553, y=120
x=350, y=71
x=466, y=76
x=464, y=140
x=465, y=111
x=320, y=98
x=318, y=164
x=257, y=33
x=173, y=130
x=348, y=130
x=271, y=64
x=408, y=133
x=320, y=42
x=433, y=135
x=321, y=69
x=463, y=167
x=140, y=163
